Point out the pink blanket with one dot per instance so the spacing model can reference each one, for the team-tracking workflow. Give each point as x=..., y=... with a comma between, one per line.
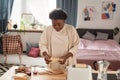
x=111, y=45
x=90, y=51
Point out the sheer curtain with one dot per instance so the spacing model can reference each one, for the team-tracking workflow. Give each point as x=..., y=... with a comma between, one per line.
x=39, y=8
x=16, y=12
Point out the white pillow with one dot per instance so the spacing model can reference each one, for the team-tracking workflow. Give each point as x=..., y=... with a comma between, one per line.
x=89, y=36
x=101, y=36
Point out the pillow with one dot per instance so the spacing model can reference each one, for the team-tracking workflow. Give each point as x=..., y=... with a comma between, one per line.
x=101, y=36
x=30, y=45
x=89, y=36
x=34, y=52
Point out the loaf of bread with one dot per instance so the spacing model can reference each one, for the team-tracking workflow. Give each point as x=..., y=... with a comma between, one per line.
x=21, y=69
x=21, y=76
x=55, y=67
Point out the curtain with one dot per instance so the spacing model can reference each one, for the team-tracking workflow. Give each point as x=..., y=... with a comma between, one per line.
x=70, y=6
x=40, y=9
x=5, y=12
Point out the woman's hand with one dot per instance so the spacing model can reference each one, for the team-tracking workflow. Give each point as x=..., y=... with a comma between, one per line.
x=47, y=57
x=63, y=59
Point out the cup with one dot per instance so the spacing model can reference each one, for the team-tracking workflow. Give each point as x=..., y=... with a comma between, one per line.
x=28, y=70
x=34, y=70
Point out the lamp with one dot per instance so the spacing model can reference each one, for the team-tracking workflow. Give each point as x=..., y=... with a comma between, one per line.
x=116, y=31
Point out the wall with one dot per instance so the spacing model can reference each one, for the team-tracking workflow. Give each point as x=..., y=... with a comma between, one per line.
x=98, y=22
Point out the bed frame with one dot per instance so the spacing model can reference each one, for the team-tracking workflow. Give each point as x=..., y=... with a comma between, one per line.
x=91, y=58
x=82, y=31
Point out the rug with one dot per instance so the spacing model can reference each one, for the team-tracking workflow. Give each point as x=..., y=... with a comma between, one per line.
x=5, y=67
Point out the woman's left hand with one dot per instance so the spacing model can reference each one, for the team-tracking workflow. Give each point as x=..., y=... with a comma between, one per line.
x=63, y=59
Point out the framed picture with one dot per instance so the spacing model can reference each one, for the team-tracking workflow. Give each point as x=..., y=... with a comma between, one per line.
x=28, y=18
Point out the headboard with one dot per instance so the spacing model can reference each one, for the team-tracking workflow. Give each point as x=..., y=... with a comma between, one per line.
x=82, y=31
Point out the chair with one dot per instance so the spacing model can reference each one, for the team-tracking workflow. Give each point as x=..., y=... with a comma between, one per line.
x=12, y=45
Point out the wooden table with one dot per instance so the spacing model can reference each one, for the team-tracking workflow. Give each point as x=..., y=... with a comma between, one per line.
x=9, y=74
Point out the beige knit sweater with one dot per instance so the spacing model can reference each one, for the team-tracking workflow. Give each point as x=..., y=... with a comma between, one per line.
x=73, y=41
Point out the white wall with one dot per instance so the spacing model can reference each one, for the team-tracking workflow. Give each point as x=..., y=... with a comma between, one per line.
x=98, y=23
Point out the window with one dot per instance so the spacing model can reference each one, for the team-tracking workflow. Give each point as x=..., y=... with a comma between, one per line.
x=32, y=14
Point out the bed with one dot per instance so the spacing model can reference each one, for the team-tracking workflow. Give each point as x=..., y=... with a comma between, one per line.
x=95, y=49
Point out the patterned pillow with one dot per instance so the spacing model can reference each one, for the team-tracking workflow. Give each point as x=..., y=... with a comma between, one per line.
x=34, y=52
x=89, y=36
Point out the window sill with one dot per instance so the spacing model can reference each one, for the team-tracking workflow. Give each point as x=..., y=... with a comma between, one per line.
x=29, y=30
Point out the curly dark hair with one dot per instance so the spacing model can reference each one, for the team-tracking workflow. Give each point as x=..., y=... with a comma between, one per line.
x=58, y=14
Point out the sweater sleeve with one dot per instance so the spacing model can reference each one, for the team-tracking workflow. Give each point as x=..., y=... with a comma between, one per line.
x=43, y=43
x=74, y=42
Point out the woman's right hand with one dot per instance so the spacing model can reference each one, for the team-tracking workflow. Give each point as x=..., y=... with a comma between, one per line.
x=47, y=57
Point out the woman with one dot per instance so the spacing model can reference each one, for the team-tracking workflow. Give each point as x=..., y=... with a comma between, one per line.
x=59, y=40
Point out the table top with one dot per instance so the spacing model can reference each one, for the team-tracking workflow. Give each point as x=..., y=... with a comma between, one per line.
x=109, y=72
x=9, y=74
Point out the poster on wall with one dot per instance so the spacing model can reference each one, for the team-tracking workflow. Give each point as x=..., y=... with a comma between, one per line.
x=89, y=13
x=108, y=9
